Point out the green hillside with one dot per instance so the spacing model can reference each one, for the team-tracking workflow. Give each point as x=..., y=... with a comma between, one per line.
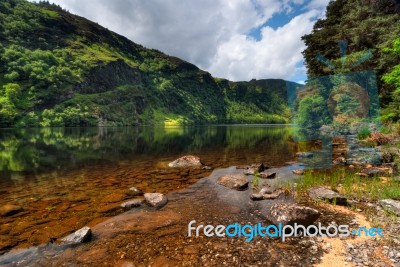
x=59, y=69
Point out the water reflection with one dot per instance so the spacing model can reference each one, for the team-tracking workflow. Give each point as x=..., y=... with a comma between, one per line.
x=46, y=149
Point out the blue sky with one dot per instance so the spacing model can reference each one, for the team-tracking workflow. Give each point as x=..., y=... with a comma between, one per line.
x=233, y=39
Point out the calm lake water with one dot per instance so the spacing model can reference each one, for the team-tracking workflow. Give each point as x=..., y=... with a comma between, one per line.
x=64, y=179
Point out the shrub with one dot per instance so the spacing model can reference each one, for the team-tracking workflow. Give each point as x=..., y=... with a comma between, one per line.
x=379, y=138
x=364, y=133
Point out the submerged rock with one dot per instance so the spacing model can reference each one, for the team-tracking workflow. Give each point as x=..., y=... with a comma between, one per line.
x=207, y=168
x=289, y=214
x=234, y=181
x=339, y=161
x=133, y=191
x=134, y=203
x=253, y=168
x=304, y=154
x=82, y=235
x=326, y=194
x=186, y=161
x=268, y=189
x=157, y=200
x=391, y=205
x=267, y=192
x=9, y=210
x=267, y=175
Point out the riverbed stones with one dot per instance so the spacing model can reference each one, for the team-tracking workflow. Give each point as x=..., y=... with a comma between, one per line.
x=267, y=192
x=134, y=203
x=156, y=200
x=391, y=205
x=267, y=175
x=234, y=181
x=253, y=168
x=325, y=194
x=339, y=161
x=304, y=154
x=186, y=162
x=80, y=236
x=9, y=210
x=134, y=191
x=289, y=214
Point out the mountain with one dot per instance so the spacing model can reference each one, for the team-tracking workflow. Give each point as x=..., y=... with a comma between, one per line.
x=59, y=69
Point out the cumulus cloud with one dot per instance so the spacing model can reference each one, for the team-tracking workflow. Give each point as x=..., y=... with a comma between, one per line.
x=211, y=33
x=276, y=55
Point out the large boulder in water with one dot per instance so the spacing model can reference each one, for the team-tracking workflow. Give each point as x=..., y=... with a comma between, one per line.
x=234, y=181
x=289, y=214
x=186, y=161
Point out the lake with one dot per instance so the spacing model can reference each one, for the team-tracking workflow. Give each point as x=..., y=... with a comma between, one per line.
x=59, y=180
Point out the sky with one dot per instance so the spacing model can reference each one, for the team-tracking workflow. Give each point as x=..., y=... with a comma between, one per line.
x=238, y=40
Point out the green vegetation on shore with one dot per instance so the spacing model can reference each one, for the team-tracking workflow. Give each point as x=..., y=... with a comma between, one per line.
x=350, y=185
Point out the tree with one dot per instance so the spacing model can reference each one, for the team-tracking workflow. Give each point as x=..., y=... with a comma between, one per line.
x=392, y=111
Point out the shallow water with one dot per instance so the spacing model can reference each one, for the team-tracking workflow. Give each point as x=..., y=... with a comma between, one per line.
x=159, y=237
x=64, y=179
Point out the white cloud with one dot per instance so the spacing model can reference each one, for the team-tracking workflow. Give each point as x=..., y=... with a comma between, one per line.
x=276, y=55
x=210, y=33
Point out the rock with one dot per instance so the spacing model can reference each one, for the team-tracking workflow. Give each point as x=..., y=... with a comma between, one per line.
x=327, y=247
x=9, y=210
x=260, y=196
x=267, y=193
x=389, y=154
x=268, y=190
x=304, y=154
x=82, y=235
x=391, y=205
x=186, y=161
x=288, y=214
x=326, y=194
x=134, y=203
x=242, y=167
x=207, y=168
x=298, y=172
x=339, y=161
x=256, y=196
x=157, y=200
x=361, y=174
x=259, y=167
x=133, y=191
x=376, y=171
x=250, y=172
x=354, y=161
x=253, y=168
x=234, y=181
x=267, y=175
